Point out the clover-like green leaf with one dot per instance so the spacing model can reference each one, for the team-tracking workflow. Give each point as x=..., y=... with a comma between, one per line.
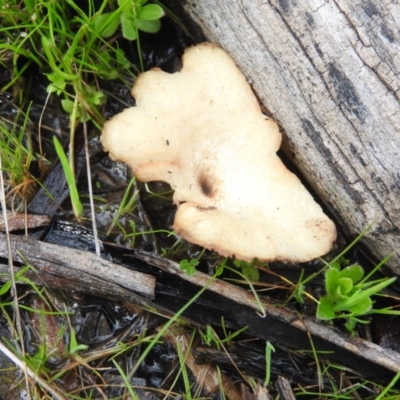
x=128, y=26
x=189, y=266
x=148, y=26
x=151, y=12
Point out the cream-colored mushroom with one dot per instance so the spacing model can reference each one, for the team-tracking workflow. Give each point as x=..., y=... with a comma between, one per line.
x=202, y=131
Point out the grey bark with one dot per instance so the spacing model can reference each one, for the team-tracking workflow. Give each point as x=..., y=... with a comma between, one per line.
x=329, y=73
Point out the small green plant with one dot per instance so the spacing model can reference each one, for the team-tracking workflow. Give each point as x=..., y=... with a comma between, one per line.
x=74, y=347
x=76, y=48
x=136, y=16
x=19, y=277
x=66, y=43
x=189, y=265
x=249, y=270
x=127, y=205
x=348, y=293
x=38, y=361
x=16, y=156
x=210, y=337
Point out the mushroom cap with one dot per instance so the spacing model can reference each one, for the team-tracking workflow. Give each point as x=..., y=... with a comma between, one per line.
x=202, y=131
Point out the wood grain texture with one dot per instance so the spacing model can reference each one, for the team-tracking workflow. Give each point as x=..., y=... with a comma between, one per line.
x=328, y=73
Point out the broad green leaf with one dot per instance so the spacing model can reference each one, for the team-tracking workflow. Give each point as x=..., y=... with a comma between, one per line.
x=105, y=26
x=5, y=288
x=361, y=307
x=345, y=285
x=67, y=105
x=191, y=270
x=331, y=278
x=354, y=272
x=129, y=30
x=325, y=310
x=151, y=12
x=148, y=26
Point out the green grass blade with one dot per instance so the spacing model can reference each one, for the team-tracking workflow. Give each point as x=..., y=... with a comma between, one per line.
x=69, y=176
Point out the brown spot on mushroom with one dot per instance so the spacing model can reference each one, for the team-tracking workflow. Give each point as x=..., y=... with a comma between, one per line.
x=206, y=185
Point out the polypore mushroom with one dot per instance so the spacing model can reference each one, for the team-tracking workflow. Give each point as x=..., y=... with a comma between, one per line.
x=202, y=131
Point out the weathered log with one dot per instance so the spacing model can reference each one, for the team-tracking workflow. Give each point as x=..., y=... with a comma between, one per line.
x=329, y=73
x=65, y=268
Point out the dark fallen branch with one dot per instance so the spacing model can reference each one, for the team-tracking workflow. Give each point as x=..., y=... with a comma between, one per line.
x=20, y=221
x=71, y=269
x=63, y=267
x=284, y=389
x=270, y=328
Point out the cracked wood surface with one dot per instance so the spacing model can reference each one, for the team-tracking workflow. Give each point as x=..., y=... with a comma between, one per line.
x=329, y=73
